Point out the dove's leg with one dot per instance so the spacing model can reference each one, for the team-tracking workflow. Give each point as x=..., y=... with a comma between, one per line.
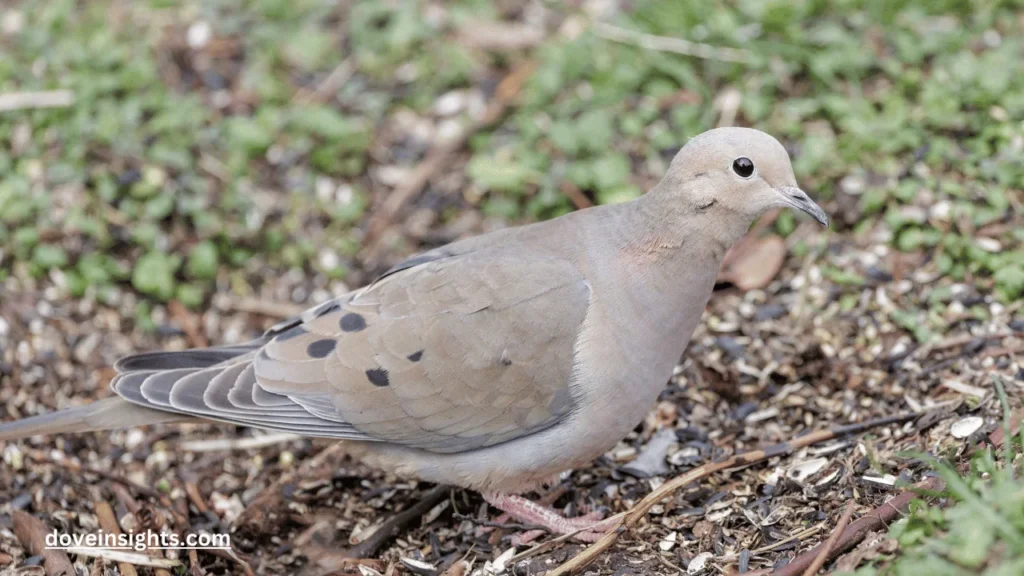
x=587, y=528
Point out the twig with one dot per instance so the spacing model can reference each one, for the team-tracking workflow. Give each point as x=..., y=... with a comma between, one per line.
x=135, y=509
x=961, y=340
x=768, y=548
x=822, y=556
x=332, y=83
x=31, y=531
x=441, y=152
x=536, y=549
x=188, y=324
x=1002, y=351
x=639, y=511
x=219, y=444
x=108, y=522
x=675, y=45
x=390, y=528
x=575, y=195
x=13, y=101
x=877, y=519
x=192, y=491
x=126, y=558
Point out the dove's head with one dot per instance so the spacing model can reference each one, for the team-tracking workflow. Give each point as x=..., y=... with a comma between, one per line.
x=735, y=175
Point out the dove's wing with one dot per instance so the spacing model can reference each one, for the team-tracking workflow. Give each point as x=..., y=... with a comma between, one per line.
x=449, y=353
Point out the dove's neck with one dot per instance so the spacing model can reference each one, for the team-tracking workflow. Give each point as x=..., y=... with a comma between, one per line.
x=652, y=265
x=668, y=224
x=668, y=254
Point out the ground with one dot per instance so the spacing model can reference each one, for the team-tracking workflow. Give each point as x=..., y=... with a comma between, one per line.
x=221, y=165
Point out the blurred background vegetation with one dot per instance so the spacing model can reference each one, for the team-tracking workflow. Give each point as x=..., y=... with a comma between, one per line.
x=193, y=149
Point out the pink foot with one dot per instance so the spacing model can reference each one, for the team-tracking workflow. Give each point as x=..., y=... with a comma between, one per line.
x=588, y=528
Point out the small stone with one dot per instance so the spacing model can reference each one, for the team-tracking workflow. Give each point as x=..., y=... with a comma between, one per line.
x=887, y=480
x=450, y=103
x=199, y=34
x=941, y=210
x=697, y=564
x=966, y=426
x=804, y=470
x=990, y=245
x=13, y=22
x=668, y=542
x=853, y=184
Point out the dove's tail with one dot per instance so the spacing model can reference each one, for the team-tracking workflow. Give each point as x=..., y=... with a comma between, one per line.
x=113, y=413
x=103, y=415
x=218, y=384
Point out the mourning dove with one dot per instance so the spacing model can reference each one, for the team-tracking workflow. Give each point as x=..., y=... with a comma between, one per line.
x=493, y=363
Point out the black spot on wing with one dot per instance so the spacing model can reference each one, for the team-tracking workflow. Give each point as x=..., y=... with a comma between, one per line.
x=378, y=377
x=291, y=333
x=321, y=348
x=415, y=356
x=352, y=322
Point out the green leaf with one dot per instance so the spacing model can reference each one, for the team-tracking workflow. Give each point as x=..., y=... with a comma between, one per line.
x=497, y=174
x=154, y=275
x=48, y=256
x=203, y=261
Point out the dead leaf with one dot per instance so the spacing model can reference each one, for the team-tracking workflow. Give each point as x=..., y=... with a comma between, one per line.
x=753, y=264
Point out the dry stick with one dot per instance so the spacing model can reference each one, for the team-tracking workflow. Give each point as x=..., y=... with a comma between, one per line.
x=877, y=519
x=332, y=83
x=134, y=508
x=389, y=529
x=669, y=44
x=575, y=195
x=441, y=152
x=32, y=531
x=23, y=100
x=124, y=557
x=187, y=321
x=249, y=443
x=769, y=547
x=1003, y=351
x=962, y=340
x=822, y=556
x=638, y=511
x=192, y=491
x=108, y=522
x=185, y=527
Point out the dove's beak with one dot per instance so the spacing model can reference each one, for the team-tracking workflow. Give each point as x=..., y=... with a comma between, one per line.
x=799, y=199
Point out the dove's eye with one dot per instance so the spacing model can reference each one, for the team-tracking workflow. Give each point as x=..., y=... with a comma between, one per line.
x=743, y=167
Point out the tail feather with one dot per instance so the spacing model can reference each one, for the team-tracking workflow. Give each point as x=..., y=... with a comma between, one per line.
x=106, y=414
x=195, y=358
x=216, y=384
